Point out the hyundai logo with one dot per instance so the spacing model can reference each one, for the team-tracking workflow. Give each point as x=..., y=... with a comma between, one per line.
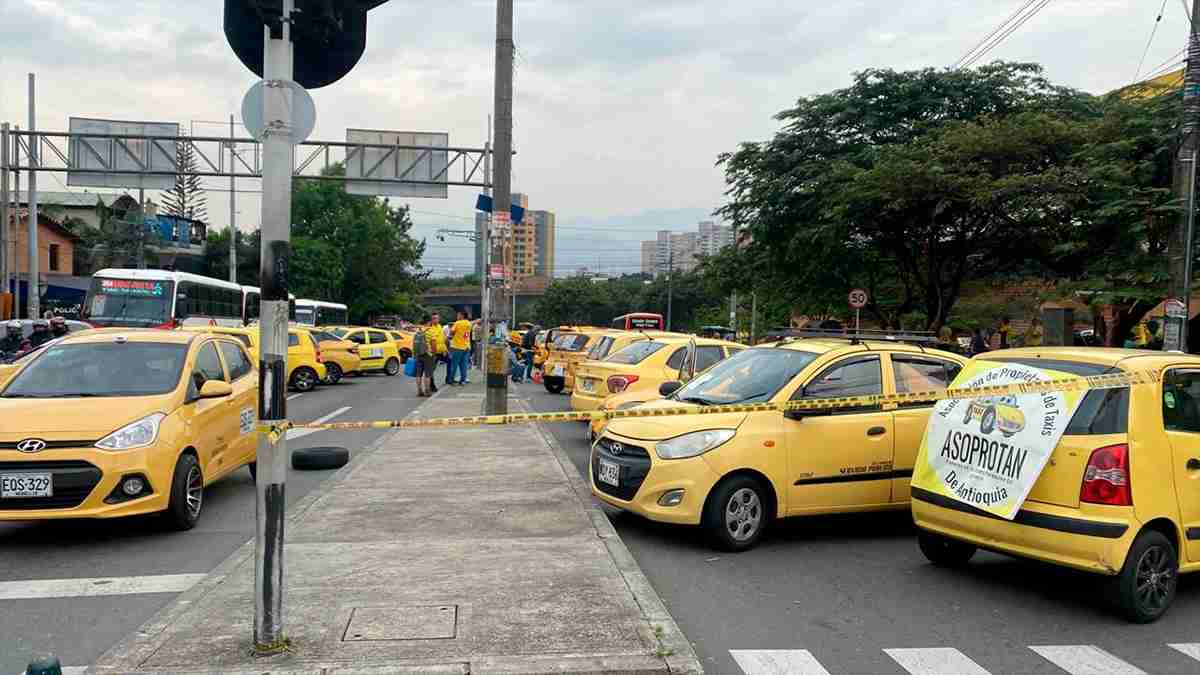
x=613, y=447
x=31, y=445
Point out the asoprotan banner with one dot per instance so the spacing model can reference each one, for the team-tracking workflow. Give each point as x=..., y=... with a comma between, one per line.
x=988, y=452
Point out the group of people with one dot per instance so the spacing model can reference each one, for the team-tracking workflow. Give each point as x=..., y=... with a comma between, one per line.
x=15, y=343
x=454, y=344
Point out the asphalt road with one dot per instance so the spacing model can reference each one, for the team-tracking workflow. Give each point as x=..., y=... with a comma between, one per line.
x=80, y=627
x=846, y=588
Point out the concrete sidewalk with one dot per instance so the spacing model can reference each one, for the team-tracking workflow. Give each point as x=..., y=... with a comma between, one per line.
x=466, y=550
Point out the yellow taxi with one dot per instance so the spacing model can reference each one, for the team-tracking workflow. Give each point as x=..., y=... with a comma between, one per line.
x=569, y=348
x=376, y=347
x=642, y=366
x=1118, y=496
x=120, y=421
x=306, y=364
x=404, y=343
x=733, y=473
x=340, y=357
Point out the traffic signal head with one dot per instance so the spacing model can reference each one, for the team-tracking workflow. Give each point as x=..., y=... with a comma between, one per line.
x=328, y=36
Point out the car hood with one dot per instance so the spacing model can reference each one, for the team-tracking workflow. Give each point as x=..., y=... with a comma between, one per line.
x=96, y=417
x=660, y=428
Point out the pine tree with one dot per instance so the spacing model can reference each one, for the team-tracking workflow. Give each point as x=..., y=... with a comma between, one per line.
x=187, y=199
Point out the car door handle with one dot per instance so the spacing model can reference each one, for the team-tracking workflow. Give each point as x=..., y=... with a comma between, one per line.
x=876, y=431
x=1193, y=464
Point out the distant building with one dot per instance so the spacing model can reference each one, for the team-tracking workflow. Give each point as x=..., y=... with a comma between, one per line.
x=680, y=250
x=533, y=239
x=649, y=250
x=64, y=206
x=713, y=238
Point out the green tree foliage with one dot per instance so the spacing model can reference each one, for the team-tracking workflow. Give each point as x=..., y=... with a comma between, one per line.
x=118, y=242
x=187, y=199
x=216, y=256
x=579, y=300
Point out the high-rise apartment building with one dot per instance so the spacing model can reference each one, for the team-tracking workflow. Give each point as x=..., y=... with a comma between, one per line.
x=680, y=250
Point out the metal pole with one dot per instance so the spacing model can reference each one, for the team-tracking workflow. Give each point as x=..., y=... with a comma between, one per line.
x=670, y=284
x=232, y=214
x=733, y=313
x=33, y=300
x=3, y=215
x=12, y=247
x=753, y=317
x=141, y=229
x=1190, y=251
x=1179, y=245
x=273, y=338
x=496, y=400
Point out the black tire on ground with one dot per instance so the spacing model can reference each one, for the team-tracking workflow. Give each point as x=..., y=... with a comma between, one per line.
x=187, y=495
x=319, y=459
x=944, y=551
x=392, y=367
x=1145, y=588
x=333, y=373
x=304, y=379
x=987, y=421
x=554, y=385
x=735, y=514
x=253, y=466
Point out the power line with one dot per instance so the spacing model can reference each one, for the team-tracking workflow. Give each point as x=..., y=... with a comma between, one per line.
x=995, y=30
x=1012, y=28
x=1153, y=31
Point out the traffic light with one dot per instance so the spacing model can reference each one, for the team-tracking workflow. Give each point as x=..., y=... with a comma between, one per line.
x=328, y=36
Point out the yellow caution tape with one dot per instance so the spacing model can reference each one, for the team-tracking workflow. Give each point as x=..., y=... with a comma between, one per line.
x=1108, y=381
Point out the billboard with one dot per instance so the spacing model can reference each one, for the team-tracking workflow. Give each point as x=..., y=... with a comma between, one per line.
x=98, y=155
x=387, y=166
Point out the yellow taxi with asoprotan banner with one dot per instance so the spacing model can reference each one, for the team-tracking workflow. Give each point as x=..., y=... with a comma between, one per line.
x=306, y=363
x=733, y=473
x=376, y=347
x=643, y=366
x=570, y=348
x=339, y=356
x=126, y=421
x=1103, y=480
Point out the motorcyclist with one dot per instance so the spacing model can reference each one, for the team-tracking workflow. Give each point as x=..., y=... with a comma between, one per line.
x=11, y=344
x=41, y=333
x=58, y=326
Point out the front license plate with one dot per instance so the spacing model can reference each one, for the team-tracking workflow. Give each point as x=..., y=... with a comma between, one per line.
x=558, y=370
x=18, y=485
x=610, y=473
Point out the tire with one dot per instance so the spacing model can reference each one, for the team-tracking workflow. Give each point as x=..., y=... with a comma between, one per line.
x=392, y=367
x=333, y=373
x=967, y=416
x=554, y=385
x=987, y=421
x=1152, y=562
x=319, y=459
x=944, y=551
x=304, y=379
x=253, y=466
x=735, y=514
x=187, y=495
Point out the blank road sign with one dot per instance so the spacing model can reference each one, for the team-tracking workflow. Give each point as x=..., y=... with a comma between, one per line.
x=121, y=162
x=378, y=171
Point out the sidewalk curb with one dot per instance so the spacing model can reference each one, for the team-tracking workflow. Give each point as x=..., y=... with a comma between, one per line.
x=126, y=651
x=678, y=655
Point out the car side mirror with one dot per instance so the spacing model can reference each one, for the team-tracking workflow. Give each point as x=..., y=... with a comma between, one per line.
x=667, y=388
x=215, y=389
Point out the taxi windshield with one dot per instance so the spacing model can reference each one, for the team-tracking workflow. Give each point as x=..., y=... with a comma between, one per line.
x=750, y=376
x=635, y=353
x=100, y=369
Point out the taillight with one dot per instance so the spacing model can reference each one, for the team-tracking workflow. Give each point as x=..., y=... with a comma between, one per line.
x=619, y=383
x=1106, y=479
x=320, y=359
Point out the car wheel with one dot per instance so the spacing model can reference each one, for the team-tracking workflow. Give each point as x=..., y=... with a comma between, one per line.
x=987, y=421
x=554, y=385
x=187, y=494
x=1146, y=586
x=392, y=367
x=735, y=515
x=944, y=551
x=319, y=459
x=304, y=379
x=333, y=373
x=967, y=416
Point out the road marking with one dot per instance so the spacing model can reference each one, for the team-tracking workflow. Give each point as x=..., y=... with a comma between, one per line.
x=301, y=433
x=294, y=396
x=777, y=662
x=1192, y=649
x=935, y=661
x=78, y=588
x=1086, y=660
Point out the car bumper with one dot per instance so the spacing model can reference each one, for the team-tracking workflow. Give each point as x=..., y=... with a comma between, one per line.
x=84, y=482
x=584, y=401
x=693, y=475
x=1045, y=532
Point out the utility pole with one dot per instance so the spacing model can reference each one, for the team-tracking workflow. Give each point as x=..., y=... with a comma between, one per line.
x=141, y=229
x=670, y=284
x=753, y=317
x=232, y=212
x=496, y=400
x=4, y=219
x=33, y=301
x=484, y=242
x=1181, y=245
x=273, y=334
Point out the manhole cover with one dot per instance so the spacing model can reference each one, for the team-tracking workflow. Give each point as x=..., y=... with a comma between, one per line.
x=406, y=622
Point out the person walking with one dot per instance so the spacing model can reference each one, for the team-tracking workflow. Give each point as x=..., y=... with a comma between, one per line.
x=460, y=346
x=1005, y=329
x=528, y=342
x=436, y=338
x=424, y=360
x=1035, y=334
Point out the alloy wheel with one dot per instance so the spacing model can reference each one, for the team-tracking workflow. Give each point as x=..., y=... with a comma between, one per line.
x=743, y=514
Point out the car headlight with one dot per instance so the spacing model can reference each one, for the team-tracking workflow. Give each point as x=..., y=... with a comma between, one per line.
x=133, y=435
x=692, y=444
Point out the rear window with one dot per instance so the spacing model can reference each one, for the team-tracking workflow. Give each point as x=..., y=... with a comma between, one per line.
x=340, y=332
x=571, y=343
x=635, y=353
x=600, y=349
x=1102, y=411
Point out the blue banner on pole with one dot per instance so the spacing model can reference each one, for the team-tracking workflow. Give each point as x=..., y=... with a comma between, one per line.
x=484, y=203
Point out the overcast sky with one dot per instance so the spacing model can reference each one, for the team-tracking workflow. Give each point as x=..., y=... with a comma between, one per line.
x=621, y=106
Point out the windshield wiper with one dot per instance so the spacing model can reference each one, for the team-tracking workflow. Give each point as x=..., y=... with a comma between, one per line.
x=82, y=394
x=747, y=398
x=695, y=399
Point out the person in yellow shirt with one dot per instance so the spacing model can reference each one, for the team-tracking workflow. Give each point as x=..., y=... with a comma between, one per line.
x=436, y=339
x=460, y=348
x=1035, y=334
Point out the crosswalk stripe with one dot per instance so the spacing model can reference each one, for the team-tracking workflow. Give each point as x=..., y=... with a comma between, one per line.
x=777, y=662
x=935, y=661
x=1192, y=649
x=74, y=588
x=1086, y=660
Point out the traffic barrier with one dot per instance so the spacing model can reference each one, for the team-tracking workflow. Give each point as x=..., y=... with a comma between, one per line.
x=1107, y=381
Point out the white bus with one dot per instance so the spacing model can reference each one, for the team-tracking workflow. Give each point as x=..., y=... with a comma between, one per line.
x=161, y=299
x=252, y=304
x=321, y=313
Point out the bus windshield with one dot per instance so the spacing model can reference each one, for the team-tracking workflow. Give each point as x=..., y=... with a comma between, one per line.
x=306, y=315
x=129, y=302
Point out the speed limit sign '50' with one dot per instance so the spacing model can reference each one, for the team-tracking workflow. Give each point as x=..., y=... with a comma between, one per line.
x=858, y=298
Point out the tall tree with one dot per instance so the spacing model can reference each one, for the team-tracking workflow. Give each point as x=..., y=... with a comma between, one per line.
x=187, y=199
